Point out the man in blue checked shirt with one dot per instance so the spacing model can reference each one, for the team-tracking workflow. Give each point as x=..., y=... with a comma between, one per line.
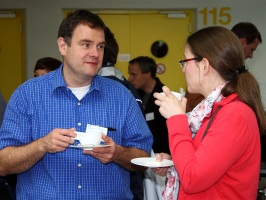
x=43, y=113
x=7, y=183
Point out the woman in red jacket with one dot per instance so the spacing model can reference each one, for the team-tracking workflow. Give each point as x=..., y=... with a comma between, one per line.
x=216, y=146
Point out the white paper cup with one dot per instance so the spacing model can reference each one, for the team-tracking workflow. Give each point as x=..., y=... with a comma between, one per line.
x=89, y=138
x=177, y=95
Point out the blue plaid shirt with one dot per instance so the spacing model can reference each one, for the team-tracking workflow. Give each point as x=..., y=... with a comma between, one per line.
x=42, y=104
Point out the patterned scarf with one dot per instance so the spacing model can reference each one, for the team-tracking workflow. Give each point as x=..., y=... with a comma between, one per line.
x=195, y=118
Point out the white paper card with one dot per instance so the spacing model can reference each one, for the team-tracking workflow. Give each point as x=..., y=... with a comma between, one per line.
x=96, y=129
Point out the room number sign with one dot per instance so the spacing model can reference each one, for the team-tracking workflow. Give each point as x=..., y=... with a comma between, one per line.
x=216, y=16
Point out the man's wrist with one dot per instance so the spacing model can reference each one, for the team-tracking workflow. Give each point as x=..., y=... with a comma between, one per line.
x=117, y=152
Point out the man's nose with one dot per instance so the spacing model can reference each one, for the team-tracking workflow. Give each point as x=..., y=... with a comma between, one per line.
x=130, y=78
x=94, y=51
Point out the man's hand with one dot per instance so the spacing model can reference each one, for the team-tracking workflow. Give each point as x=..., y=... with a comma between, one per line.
x=58, y=140
x=107, y=154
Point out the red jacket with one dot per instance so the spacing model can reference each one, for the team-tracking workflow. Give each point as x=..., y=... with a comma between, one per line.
x=226, y=164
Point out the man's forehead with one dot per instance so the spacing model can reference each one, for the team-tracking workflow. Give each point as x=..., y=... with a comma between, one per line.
x=86, y=27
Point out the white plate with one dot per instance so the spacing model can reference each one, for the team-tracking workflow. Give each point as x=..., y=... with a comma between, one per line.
x=89, y=146
x=151, y=162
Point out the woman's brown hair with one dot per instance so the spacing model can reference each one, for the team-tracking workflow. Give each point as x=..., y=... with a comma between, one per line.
x=223, y=50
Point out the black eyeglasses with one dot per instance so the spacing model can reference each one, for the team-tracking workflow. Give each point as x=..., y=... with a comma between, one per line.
x=183, y=62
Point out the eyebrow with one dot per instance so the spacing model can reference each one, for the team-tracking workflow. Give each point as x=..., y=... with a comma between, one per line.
x=90, y=41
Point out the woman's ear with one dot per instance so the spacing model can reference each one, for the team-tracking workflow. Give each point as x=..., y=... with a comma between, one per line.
x=205, y=66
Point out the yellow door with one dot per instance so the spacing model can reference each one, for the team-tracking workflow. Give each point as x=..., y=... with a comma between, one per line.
x=137, y=31
x=12, y=60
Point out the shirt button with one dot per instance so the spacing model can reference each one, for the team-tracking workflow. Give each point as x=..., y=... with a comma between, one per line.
x=79, y=124
x=78, y=103
x=79, y=186
x=79, y=165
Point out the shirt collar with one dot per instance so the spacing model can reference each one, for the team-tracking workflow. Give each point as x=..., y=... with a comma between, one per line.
x=226, y=101
x=223, y=102
x=108, y=64
x=59, y=81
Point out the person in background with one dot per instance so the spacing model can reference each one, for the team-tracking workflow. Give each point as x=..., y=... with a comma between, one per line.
x=108, y=70
x=216, y=147
x=142, y=74
x=250, y=37
x=109, y=60
x=7, y=183
x=45, y=65
x=43, y=114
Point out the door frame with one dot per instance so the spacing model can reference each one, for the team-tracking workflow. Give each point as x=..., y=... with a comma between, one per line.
x=20, y=13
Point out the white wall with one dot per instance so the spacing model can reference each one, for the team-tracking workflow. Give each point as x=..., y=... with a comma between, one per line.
x=43, y=19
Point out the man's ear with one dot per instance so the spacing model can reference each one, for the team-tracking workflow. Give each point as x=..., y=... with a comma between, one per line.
x=62, y=46
x=148, y=75
x=243, y=41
